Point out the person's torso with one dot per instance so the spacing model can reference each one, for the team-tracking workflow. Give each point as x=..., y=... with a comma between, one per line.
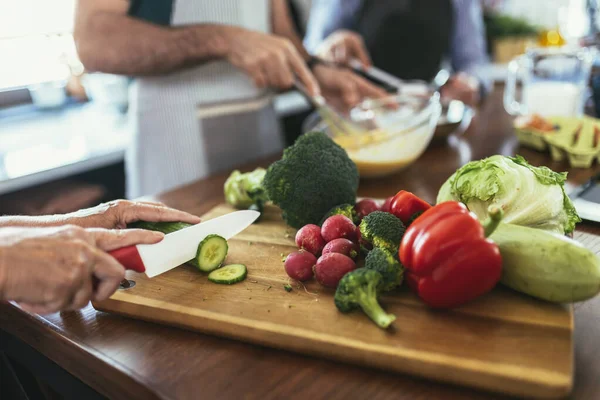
x=211, y=82
x=408, y=38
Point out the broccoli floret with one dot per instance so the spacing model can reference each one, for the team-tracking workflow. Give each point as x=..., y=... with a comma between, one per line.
x=314, y=175
x=243, y=190
x=383, y=230
x=346, y=210
x=385, y=263
x=360, y=288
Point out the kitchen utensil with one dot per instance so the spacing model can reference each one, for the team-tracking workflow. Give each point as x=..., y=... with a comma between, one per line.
x=181, y=246
x=504, y=341
x=554, y=81
x=455, y=119
x=405, y=126
x=339, y=125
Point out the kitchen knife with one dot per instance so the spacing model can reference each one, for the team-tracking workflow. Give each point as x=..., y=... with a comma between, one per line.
x=181, y=246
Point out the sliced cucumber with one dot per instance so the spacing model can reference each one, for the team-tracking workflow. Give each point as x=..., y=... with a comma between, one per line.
x=229, y=274
x=211, y=253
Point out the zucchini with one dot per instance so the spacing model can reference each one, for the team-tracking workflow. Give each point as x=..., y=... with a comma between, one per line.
x=229, y=274
x=546, y=265
x=211, y=253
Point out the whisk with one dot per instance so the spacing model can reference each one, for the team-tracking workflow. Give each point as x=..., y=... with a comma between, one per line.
x=339, y=125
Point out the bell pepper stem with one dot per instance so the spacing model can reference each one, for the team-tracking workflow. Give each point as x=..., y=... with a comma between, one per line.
x=493, y=220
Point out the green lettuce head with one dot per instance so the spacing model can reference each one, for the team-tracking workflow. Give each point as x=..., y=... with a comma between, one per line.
x=244, y=189
x=529, y=196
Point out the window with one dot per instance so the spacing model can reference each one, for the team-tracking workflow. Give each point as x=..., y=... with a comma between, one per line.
x=36, y=44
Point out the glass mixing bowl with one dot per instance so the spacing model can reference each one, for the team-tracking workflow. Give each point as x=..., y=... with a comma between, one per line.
x=396, y=131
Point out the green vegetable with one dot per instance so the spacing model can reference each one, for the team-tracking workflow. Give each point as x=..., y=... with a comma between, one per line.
x=287, y=287
x=360, y=288
x=529, y=196
x=211, y=253
x=242, y=190
x=383, y=230
x=388, y=266
x=546, y=265
x=229, y=274
x=314, y=175
x=346, y=210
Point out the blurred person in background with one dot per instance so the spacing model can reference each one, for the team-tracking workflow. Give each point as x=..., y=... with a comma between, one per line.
x=200, y=102
x=406, y=38
x=60, y=262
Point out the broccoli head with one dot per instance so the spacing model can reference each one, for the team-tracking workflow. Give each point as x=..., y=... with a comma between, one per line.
x=245, y=189
x=313, y=176
x=360, y=288
x=382, y=229
x=388, y=266
x=346, y=210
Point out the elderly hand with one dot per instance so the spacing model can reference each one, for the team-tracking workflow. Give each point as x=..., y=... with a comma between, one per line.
x=343, y=88
x=53, y=269
x=342, y=46
x=463, y=87
x=119, y=213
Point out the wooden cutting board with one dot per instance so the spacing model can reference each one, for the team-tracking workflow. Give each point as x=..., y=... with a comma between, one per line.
x=502, y=342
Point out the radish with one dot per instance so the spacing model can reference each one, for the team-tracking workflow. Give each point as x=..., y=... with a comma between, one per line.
x=342, y=246
x=365, y=207
x=339, y=226
x=309, y=238
x=299, y=265
x=331, y=267
x=385, y=207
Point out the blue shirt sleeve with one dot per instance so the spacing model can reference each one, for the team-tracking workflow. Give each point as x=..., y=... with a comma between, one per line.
x=326, y=17
x=468, y=51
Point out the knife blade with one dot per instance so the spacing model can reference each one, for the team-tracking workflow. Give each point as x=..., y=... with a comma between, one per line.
x=181, y=246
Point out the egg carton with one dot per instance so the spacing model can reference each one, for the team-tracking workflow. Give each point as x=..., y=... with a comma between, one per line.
x=574, y=139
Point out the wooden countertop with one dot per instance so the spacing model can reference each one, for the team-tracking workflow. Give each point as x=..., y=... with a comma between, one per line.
x=128, y=359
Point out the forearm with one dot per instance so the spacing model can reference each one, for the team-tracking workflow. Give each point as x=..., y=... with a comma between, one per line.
x=283, y=26
x=119, y=44
x=33, y=221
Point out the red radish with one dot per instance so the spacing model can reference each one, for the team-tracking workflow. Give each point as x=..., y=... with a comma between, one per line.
x=386, y=204
x=299, y=265
x=309, y=238
x=342, y=246
x=331, y=267
x=365, y=207
x=339, y=226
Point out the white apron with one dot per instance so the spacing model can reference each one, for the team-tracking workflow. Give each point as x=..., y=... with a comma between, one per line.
x=203, y=120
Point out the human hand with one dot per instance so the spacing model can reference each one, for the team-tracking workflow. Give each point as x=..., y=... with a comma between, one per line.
x=270, y=60
x=343, y=88
x=53, y=269
x=117, y=214
x=462, y=87
x=342, y=46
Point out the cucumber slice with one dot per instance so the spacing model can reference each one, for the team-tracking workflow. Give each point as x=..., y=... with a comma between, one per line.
x=229, y=274
x=211, y=253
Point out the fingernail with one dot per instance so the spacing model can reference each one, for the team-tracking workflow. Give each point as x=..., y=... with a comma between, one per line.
x=159, y=235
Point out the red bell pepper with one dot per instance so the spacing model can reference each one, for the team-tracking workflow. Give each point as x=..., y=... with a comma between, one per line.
x=447, y=257
x=407, y=206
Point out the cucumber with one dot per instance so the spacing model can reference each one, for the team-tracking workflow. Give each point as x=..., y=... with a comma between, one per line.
x=229, y=274
x=211, y=253
x=546, y=265
x=164, y=227
x=169, y=227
